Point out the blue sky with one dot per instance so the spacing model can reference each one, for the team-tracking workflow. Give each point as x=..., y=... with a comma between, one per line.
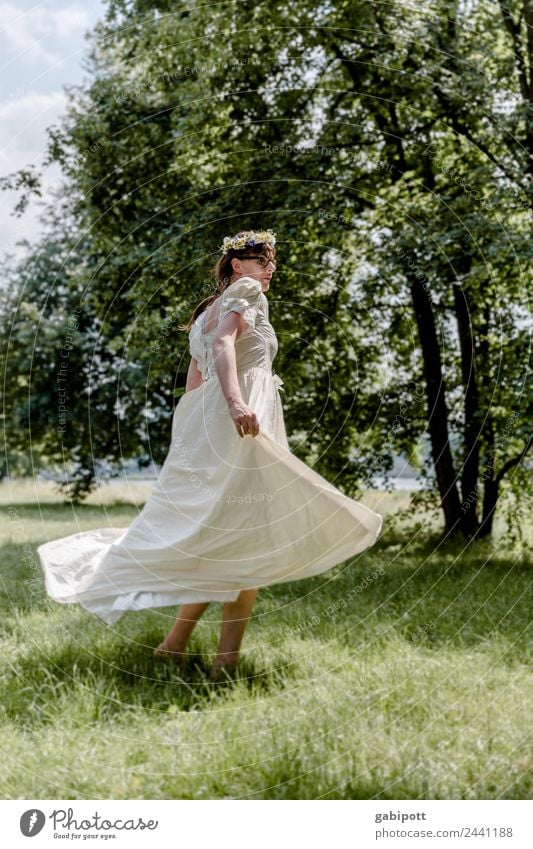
x=42, y=47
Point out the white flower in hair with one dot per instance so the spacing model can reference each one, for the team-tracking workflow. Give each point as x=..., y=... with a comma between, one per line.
x=249, y=239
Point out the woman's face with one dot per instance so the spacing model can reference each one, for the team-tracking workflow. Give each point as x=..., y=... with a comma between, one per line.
x=259, y=268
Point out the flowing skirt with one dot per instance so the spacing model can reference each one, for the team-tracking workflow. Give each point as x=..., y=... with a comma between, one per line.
x=227, y=513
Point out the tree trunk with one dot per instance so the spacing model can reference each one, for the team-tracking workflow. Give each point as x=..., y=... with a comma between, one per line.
x=492, y=485
x=471, y=447
x=437, y=409
x=490, y=499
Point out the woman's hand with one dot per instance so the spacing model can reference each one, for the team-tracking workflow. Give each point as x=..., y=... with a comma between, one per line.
x=244, y=419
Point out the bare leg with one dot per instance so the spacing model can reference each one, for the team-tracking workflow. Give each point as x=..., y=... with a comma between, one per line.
x=173, y=645
x=236, y=615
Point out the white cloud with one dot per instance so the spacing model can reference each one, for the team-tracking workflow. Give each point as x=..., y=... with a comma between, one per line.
x=23, y=125
x=32, y=32
x=41, y=43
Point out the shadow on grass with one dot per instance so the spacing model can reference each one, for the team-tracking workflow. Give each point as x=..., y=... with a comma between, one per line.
x=108, y=683
x=451, y=595
x=64, y=508
x=431, y=595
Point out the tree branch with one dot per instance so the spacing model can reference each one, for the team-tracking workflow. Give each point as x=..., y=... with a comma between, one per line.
x=514, y=461
x=514, y=31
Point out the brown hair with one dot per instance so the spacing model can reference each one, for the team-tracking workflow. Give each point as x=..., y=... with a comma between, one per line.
x=223, y=272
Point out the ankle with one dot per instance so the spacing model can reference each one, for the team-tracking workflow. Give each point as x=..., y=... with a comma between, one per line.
x=177, y=647
x=228, y=658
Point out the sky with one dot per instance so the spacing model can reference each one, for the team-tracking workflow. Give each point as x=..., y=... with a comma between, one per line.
x=42, y=46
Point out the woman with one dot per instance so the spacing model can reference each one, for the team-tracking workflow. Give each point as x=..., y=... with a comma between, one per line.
x=233, y=509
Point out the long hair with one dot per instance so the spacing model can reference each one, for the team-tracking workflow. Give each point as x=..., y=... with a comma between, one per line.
x=223, y=274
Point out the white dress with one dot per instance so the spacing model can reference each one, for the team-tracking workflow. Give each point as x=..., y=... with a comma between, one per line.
x=227, y=512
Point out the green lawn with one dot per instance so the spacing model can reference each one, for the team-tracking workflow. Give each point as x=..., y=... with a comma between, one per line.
x=405, y=675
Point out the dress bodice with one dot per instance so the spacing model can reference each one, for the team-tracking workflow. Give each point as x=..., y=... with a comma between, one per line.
x=257, y=345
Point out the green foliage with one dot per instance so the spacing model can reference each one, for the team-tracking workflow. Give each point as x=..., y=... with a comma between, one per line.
x=381, y=147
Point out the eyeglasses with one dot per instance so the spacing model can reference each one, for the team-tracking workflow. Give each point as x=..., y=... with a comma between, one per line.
x=262, y=260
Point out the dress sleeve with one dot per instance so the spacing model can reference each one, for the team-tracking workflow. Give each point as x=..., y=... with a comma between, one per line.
x=244, y=297
x=197, y=347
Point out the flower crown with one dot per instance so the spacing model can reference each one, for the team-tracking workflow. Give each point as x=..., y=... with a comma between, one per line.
x=248, y=239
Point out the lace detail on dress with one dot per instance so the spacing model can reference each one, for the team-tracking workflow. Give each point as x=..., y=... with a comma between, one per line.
x=244, y=297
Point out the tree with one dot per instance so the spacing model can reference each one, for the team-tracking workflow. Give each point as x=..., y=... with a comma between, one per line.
x=392, y=152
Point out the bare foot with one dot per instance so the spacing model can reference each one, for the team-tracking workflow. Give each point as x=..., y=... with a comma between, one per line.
x=222, y=671
x=165, y=652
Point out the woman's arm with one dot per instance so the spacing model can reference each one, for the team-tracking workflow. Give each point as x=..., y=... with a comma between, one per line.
x=228, y=331
x=194, y=376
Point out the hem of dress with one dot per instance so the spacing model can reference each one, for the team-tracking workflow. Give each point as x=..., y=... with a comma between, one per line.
x=111, y=610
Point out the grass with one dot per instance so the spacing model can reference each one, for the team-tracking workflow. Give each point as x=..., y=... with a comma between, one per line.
x=403, y=675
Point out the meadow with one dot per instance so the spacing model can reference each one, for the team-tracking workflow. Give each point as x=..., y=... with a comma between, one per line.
x=403, y=674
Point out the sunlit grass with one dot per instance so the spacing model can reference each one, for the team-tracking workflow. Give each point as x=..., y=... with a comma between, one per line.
x=405, y=674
